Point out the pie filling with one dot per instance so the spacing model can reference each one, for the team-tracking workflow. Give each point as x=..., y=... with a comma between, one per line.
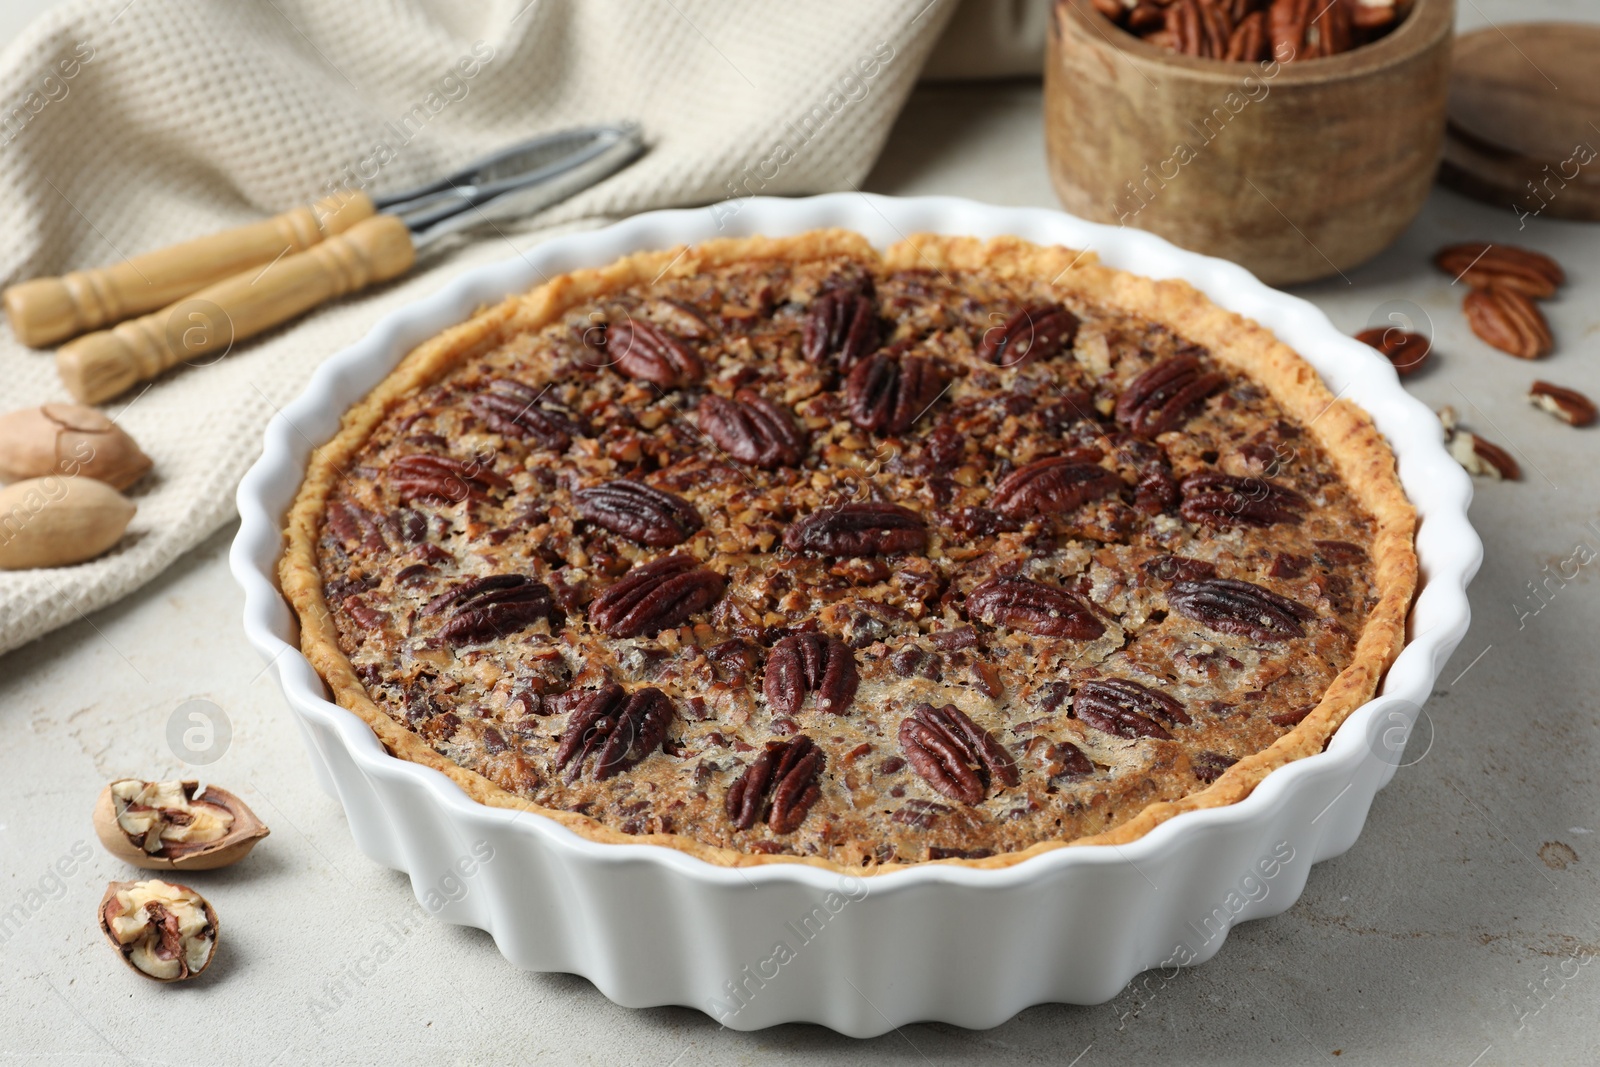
x=823, y=558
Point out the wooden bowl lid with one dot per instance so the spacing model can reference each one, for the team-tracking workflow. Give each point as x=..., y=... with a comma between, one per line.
x=1524, y=115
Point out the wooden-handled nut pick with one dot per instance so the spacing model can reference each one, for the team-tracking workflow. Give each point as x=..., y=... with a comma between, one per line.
x=46, y=310
x=208, y=322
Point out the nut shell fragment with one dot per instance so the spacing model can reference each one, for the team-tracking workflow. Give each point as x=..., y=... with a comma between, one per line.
x=134, y=825
x=68, y=439
x=56, y=521
x=162, y=930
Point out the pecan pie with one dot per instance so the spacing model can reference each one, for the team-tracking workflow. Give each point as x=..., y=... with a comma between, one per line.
x=790, y=549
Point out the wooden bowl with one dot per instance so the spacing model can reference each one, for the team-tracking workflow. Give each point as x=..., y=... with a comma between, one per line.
x=1295, y=170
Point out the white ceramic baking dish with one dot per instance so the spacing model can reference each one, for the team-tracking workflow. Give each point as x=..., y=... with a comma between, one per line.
x=787, y=942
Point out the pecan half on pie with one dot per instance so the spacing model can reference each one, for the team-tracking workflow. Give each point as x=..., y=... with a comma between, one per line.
x=791, y=549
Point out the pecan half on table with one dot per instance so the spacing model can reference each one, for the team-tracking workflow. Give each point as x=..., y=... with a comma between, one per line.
x=1509, y=320
x=1482, y=265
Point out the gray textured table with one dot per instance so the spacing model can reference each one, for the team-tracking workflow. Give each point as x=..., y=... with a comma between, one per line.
x=1458, y=931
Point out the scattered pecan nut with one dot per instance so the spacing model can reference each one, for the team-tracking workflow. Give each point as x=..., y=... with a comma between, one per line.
x=858, y=530
x=886, y=395
x=1509, y=320
x=1041, y=331
x=1230, y=606
x=512, y=409
x=1482, y=265
x=841, y=324
x=954, y=755
x=1123, y=708
x=1406, y=350
x=656, y=596
x=1483, y=458
x=443, y=478
x=1218, y=500
x=810, y=663
x=1033, y=607
x=483, y=609
x=1568, y=405
x=639, y=512
x=1160, y=399
x=641, y=349
x=752, y=429
x=781, y=785
x=619, y=728
x=1052, y=486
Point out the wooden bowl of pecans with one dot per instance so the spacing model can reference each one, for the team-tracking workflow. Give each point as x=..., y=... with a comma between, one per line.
x=1295, y=137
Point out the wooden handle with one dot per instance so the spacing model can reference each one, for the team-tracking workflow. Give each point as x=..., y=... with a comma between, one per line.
x=46, y=310
x=101, y=365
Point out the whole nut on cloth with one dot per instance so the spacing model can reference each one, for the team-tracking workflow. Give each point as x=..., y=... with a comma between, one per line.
x=55, y=521
x=162, y=930
x=175, y=825
x=68, y=439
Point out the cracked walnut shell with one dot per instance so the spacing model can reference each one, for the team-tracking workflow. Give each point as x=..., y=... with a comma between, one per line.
x=175, y=826
x=163, y=930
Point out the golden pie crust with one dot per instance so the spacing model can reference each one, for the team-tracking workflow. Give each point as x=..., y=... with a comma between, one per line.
x=1345, y=434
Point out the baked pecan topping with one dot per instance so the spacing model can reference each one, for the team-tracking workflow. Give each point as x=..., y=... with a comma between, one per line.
x=1340, y=553
x=1568, y=405
x=753, y=429
x=782, y=781
x=619, y=728
x=1160, y=399
x=1052, y=486
x=810, y=663
x=887, y=395
x=1126, y=709
x=482, y=609
x=1058, y=759
x=639, y=512
x=443, y=478
x=354, y=525
x=1484, y=266
x=841, y=324
x=1033, y=607
x=512, y=409
x=1038, y=332
x=858, y=530
x=1230, y=606
x=1208, y=766
x=953, y=754
x=1178, y=568
x=1407, y=351
x=1223, y=500
x=1510, y=321
x=656, y=596
x=641, y=349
